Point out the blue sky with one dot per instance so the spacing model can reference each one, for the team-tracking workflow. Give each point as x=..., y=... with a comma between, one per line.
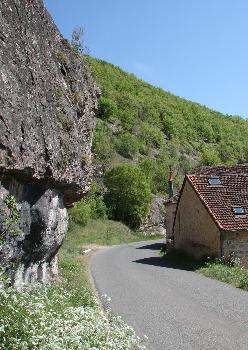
x=196, y=49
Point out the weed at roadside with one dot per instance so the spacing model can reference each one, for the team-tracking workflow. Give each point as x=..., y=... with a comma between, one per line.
x=227, y=271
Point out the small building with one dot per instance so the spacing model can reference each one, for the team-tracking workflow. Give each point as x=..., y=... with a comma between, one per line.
x=211, y=217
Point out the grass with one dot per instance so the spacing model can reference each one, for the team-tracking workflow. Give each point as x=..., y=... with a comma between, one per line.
x=67, y=315
x=217, y=269
x=105, y=232
x=235, y=275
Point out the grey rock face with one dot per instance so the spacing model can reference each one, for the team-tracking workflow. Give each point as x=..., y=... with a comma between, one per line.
x=154, y=222
x=28, y=250
x=47, y=105
x=47, y=101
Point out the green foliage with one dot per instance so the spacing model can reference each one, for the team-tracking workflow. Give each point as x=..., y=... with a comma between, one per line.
x=233, y=274
x=103, y=232
x=12, y=219
x=243, y=281
x=96, y=202
x=80, y=213
x=107, y=109
x=209, y=157
x=128, y=194
x=147, y=166
x=152, y=121
x=127, y=145
x=152, y=135
x=88, y=208
x=62, y=58
x=102, y=145
x=225, y=270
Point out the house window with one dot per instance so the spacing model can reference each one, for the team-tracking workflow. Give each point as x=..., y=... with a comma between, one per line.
x=238, y=210
x=214, y=181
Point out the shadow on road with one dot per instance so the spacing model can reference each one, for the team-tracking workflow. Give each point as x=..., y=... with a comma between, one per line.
x=172, y=261
x=154, y=246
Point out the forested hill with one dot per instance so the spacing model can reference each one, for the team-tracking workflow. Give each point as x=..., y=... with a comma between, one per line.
x=143, y=124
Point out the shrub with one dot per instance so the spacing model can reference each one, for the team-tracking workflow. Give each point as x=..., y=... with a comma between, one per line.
x=107, y=108
x=102, y=146
x=127, y=145
x=152, y=135
x=128, y=195
x=98, y=207
x=243, y=283
x=90, y=207
x=147, y=166
x=11, y=221
x=209, y=157
x=81, y=213
x=96, y=202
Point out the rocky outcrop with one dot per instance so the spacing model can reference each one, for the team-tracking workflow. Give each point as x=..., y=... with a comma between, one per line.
x=154, y=222
x=29, y=246
x=47, y=105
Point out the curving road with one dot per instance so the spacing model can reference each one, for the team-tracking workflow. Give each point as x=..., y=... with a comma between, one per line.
x=176, y=309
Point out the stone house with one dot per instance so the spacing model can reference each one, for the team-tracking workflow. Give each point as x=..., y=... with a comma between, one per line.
x=211, y=217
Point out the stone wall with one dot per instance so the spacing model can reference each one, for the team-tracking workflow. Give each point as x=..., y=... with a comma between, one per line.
x=195, y=232
x=235, y=246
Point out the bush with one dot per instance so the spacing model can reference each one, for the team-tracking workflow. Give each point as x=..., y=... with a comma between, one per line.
x=98, y=207
x=102, y=146
x=151, y=135
x=127, y=145
x=81, y=213
x=128, y=195
x=107, y=108
x=88, y=208
x=243, y=283
x=96, y=202
x=209, y=157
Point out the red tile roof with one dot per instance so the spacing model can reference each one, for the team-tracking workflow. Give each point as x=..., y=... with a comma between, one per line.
x=219, y=200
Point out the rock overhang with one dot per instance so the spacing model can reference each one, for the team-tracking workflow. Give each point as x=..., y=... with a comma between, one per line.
x=47, y=106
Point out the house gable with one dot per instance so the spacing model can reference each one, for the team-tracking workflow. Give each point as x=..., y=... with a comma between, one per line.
x=195, y=231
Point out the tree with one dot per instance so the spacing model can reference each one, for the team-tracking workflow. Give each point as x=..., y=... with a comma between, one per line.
x=209, y=157
x=128, y=195
x=107, y=108
x=77, y=40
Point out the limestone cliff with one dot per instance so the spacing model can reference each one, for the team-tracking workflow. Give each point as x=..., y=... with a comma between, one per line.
x=47, y=105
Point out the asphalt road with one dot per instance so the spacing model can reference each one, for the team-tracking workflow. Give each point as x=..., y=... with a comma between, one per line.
x=176, y=309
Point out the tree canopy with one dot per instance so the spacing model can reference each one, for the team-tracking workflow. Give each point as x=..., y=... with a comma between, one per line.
x=128, y=195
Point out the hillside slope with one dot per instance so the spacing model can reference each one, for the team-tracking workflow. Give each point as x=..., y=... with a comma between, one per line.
x=140, y=123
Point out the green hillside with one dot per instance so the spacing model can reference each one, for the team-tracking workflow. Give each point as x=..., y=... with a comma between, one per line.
x=140, y=123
